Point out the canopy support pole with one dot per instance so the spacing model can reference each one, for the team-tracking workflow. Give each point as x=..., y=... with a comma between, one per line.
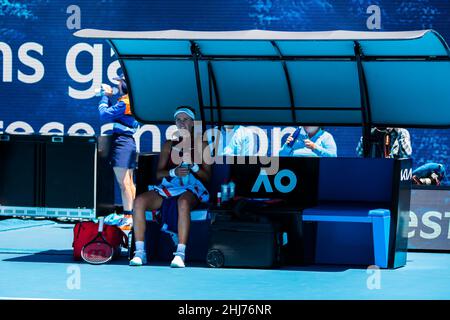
x=442, y=41
x=210, y=91
x=195, y=50
x=212, y=77
x=365, y=103
x=127, y=79
x=288, y=80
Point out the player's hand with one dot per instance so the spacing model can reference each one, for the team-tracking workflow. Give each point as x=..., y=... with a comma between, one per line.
x=289, y=139
x=309, y=144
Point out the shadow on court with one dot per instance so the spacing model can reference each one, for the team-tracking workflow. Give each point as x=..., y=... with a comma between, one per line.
x=65, y=256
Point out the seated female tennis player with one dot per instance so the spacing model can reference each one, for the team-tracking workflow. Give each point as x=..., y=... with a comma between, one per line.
x=180, y=178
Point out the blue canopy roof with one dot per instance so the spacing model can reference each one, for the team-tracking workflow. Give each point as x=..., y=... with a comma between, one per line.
x=341, y=78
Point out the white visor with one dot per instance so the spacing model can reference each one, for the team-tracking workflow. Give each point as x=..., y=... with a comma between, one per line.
x=185, y=110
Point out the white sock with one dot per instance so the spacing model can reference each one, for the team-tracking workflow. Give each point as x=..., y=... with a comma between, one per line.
x=181, y=248
x=139, y=245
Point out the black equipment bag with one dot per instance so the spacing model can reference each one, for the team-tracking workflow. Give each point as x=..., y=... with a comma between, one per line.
x=240, y=238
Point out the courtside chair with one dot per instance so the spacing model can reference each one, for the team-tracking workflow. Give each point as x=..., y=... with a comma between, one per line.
x=352, y=211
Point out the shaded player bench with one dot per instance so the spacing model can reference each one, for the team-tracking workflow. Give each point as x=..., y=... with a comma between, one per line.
x=379, y=219
x=361, y=213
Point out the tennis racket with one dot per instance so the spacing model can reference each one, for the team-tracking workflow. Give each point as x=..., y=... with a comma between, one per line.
x=98, y=250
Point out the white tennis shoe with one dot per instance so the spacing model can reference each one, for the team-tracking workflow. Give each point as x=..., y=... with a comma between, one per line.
x=140, y=258
x=178, y=260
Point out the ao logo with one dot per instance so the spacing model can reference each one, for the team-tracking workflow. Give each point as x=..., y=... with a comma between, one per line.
x=263, y=179
x=405, y=174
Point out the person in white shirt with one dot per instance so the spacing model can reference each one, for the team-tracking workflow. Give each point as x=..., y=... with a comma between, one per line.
x=309, y=142
x=235, y=140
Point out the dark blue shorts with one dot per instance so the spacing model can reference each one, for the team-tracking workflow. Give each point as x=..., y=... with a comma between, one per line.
x=123, y=152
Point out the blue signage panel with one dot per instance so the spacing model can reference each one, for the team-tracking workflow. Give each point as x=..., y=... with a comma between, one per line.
x=429, y=220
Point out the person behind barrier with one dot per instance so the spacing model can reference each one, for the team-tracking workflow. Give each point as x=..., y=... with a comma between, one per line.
x=123, y=148
x=387, y=143
x=182, y=189
x=235, y=140
x=309, y=142
x=429, y=174
x=240, y=141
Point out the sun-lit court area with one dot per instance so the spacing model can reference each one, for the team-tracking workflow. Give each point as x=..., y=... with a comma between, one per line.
x=36, y=263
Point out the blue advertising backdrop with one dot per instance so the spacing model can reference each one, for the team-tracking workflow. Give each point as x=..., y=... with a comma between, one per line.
x=48, y=76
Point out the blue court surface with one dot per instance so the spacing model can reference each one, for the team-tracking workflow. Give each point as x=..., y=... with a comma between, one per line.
x=36, y=263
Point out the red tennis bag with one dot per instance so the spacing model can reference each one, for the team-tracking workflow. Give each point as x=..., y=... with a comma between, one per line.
x=83, y=232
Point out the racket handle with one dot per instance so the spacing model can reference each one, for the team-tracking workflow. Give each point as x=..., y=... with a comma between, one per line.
x=100, y=224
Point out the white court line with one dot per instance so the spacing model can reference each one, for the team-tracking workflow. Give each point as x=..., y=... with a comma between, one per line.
x=20, y=251
x=19, y=298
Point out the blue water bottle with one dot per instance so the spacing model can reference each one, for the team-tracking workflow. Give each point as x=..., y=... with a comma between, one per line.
x=298, y=133
x=294, y=137
x=231, y=190
x=224, y=191
x=185, y=179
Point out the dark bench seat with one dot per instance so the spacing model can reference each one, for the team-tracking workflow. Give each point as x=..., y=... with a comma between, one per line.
x=378, y=218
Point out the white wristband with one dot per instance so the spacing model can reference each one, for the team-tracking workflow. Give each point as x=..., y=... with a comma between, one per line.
x=195, y=168
x=172, y=173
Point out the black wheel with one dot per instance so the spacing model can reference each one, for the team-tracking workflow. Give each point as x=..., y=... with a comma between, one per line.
x=215, y=258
